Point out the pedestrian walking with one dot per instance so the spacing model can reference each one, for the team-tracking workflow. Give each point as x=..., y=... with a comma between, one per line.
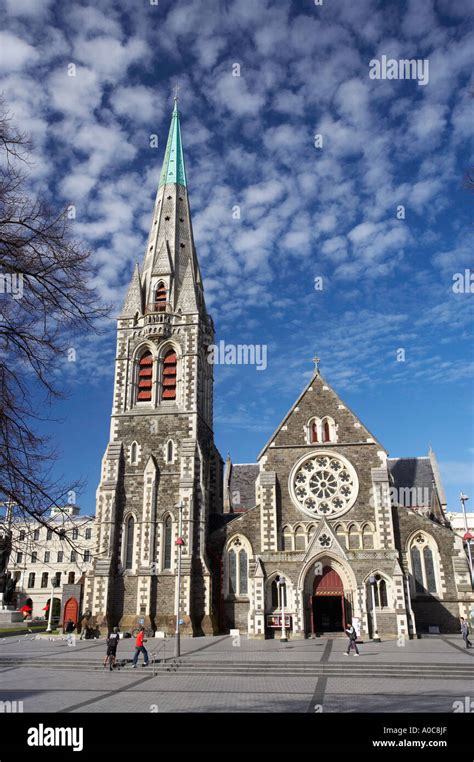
x=465, y=632
x=112, y=643
x=352, y=635
x=69, y=627
x=139, y=647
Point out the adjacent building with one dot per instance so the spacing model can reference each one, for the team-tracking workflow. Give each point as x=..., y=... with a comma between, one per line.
x=60, y=552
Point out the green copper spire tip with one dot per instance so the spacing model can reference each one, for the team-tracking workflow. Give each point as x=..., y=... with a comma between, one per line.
x=173, y=164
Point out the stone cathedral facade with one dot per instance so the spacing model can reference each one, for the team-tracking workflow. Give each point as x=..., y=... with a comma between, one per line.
x=355, y=534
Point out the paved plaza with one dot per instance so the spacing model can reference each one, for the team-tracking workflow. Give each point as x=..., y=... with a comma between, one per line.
x=224, y=674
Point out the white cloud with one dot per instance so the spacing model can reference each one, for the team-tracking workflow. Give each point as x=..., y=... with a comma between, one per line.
x=139, y=103
x=108, y=57
x=15, y=53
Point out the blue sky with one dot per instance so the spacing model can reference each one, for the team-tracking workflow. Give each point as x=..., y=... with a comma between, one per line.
x=305, y=212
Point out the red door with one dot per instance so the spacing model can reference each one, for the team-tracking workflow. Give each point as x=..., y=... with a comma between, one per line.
x=71, y=610
x=328, y=586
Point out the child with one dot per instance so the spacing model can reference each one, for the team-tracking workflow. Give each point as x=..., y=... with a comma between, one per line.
x=112, y=642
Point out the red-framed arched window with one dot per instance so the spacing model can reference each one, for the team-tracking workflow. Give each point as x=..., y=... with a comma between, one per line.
x=145, y=377
x=169, y=375
x=326, y=432
x=160, y=297
x=314, y=431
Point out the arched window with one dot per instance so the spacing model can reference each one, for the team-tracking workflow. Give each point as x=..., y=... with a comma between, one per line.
x=423, y=557
x=326, y=432
x=243, y=572
x=367, y=536
x=274, y=589
x=31, y=579
x=145, y=377
x=311, y=532
x=300, y=539
x=168, y=543
x=417, y=569
x=238, y=569
x=169, y=375
x=287, y=539
x=129, y=543
x=160, y=297
x=276, y=592
x=430, y=576
x=232, y=571
x=133, y=454
x=354, y=537
x=170, y=451
x=379, y=593
x=313, y=430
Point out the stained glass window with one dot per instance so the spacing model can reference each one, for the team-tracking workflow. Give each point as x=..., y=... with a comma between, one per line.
x=168, y=533
x=129, y=545
x=429, y=570
x=232, y=572
x=417, y=570
x=243, y=573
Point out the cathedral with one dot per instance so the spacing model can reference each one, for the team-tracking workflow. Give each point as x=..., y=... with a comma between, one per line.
x=325, y=528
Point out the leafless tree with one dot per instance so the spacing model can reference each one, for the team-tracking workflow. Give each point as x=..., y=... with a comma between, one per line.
x=45, y=299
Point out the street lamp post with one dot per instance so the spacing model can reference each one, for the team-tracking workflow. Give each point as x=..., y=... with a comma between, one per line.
x=179, y=543
x=467, y=536
x=54, y=583
x=281, y=586
x=375, y=634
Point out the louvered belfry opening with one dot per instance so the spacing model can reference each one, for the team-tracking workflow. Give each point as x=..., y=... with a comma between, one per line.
x=145, y=377
x=169, y=375
x=160, y=298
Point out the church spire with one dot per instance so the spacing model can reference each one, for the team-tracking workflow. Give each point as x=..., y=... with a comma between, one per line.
x=173, y=170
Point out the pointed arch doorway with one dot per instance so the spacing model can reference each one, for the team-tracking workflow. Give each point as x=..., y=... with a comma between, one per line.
x=328, y=603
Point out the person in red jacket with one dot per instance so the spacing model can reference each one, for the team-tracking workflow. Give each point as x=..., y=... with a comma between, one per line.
x=140, y=647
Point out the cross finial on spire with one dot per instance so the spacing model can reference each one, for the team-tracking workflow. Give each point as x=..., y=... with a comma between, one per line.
x=316, y=363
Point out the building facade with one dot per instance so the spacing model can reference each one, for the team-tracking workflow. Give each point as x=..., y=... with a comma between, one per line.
x=354, y=533
x=61, y=551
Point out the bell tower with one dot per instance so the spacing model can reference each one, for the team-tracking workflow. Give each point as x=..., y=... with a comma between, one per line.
x=161, y=472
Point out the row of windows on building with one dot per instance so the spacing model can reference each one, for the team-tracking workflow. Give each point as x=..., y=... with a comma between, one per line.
x=73, y=556
x=169, y=451
x=45, y=582
x=352, y=537
x=49, y=534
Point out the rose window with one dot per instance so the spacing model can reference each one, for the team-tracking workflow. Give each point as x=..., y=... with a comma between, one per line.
x=323, y=485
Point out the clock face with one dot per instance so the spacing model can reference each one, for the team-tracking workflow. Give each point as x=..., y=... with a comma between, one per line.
x=324, y=484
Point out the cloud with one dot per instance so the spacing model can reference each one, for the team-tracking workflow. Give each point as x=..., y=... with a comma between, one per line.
x=15, y=53
x=139, y=103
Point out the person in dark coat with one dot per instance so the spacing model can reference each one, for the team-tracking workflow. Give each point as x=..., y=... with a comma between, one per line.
x=352, y=635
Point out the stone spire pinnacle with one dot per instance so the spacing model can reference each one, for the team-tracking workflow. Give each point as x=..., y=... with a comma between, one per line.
x=133, y=300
